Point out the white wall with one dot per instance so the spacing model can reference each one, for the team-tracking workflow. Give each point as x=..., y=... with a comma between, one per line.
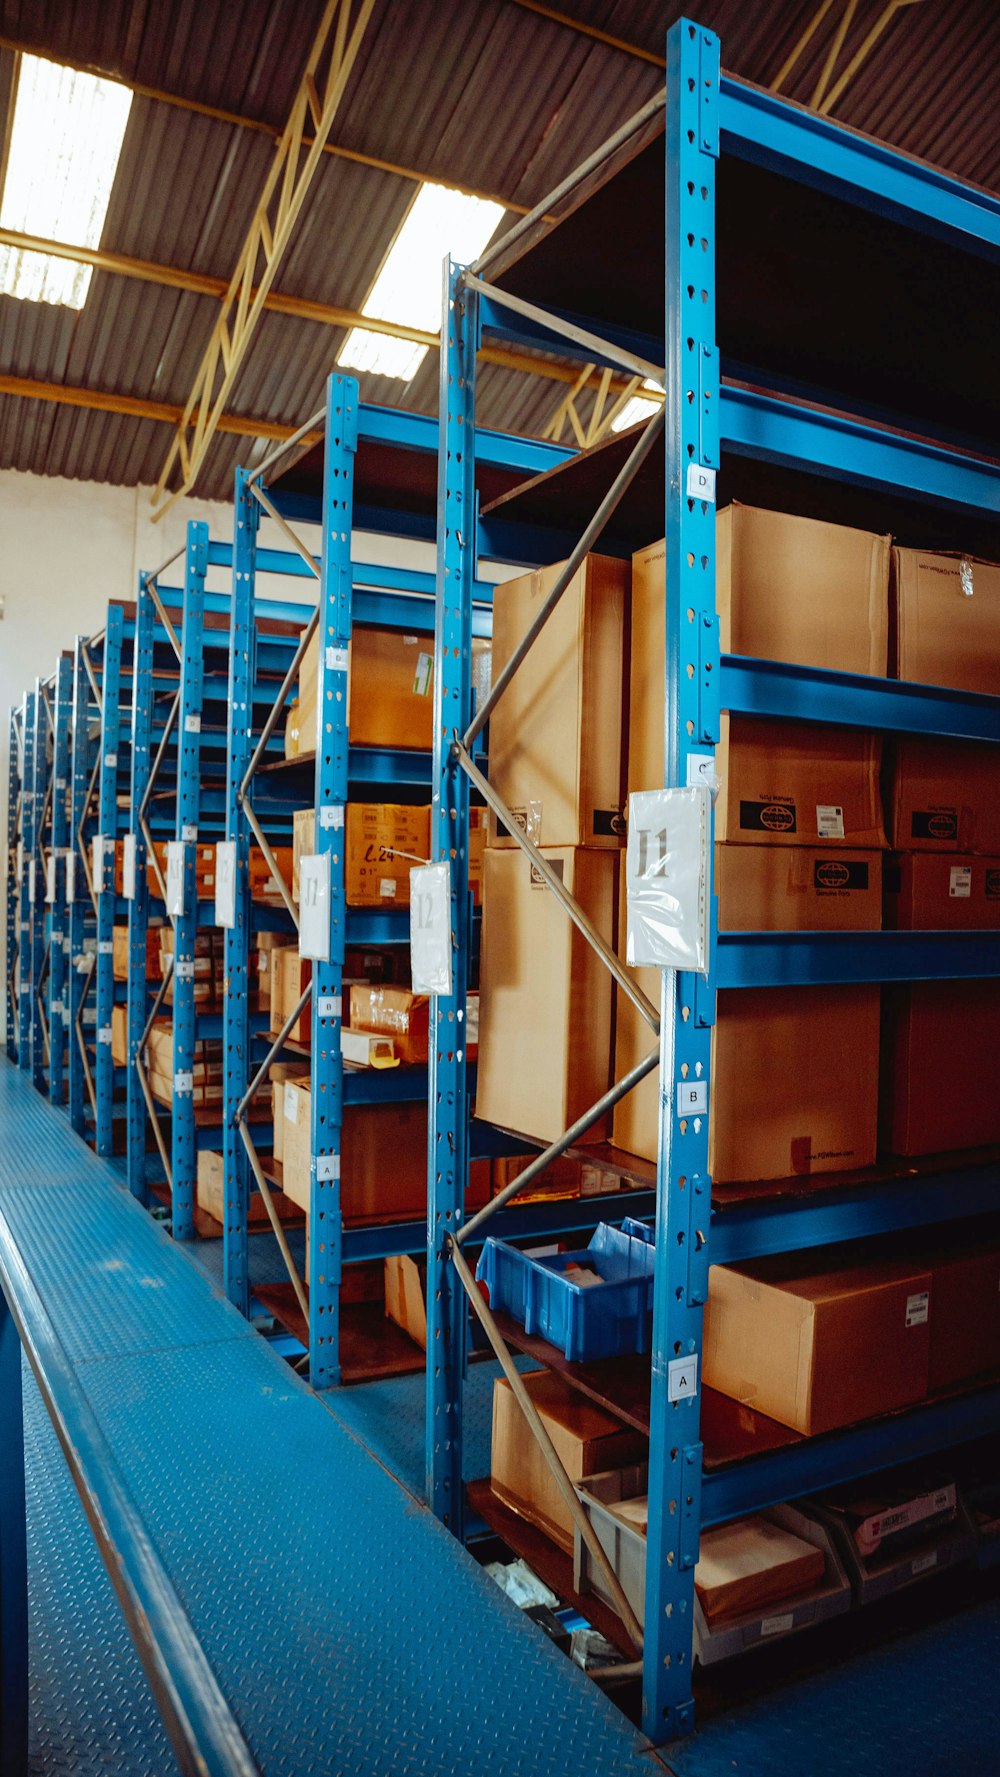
x=67, y=547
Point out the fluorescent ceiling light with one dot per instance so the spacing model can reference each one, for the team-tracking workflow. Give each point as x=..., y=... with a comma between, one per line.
x=64, y=146
x=638, y=408
x=408, y=288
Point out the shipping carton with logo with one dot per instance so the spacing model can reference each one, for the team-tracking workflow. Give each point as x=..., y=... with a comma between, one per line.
x=940, y=1050
x=931, y=891
x=943, y=795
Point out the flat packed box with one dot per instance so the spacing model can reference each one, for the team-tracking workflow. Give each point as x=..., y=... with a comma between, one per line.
x=941, y=891
x=793, y=1088
x=800, y=589
x=751, y=1564
x=764, y=888
x=943, y=795
x=556, y=734
x=945, y=620
x=940, y=1081
x=816, y=1344
x=383, y=1159
x=545, y=1003
x=384, y=840
x=797, y=783
x=587, y=1439
x=290, y=975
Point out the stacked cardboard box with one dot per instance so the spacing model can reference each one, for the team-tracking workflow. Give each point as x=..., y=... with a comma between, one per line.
x=209, y=964
x=556, y=759
x=383, y=841
x=120, y=951
x=799, y=840
x=383, y=1158
x=390, y=691
x=206, y=1072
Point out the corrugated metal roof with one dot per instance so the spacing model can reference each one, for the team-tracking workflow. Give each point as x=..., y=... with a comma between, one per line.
x=482, y=92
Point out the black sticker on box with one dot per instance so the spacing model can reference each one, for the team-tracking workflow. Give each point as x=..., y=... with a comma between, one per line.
x=768, y=817
x=830, y=875
x=934, y=823
x=538, y=880
x=608, y=823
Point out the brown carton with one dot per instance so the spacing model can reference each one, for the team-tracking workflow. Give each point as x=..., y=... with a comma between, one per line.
x=390, y=690
x=119, y=1035
x=802, y=590
x=965, y=1326
x=383, y=1159
x=940, y=1043
x=405, y=1296
x=748, y=1565
x=943, y=795
x=588, y=1440
x=793, y=1088
x=945, y=620
x=941, y=891
x=781, y=888
x=290, y=974
x=478, y=828
x=383, y=842
x=815, y=1344
x=545, y=996
x=797, y=783
x=556, y=733
x=395, y=1012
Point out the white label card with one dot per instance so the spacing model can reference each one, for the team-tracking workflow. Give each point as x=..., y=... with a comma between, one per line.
x=225, y=883
x=50, y=878
x=430, y=928
x=192, y=724
x=70, y=878
x=682, y=1378
x=314, y=907
x=692, y=1098
x=776, y=1625
x=829, y=821
x=97, y=862
x=960, y=882
x=128, y=867
x=700, y=482
x=175, y=878
x=918, y=1308
x=924, y=1563
x=31, y=882
x=666, y=878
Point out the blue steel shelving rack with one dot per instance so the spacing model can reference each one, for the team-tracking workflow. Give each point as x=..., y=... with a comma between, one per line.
x=59, y=946
x=705, y=114
x=80, y=896
x=15, y=742
x=349, y=592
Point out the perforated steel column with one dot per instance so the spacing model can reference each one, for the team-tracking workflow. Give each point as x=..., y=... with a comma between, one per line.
x=13, y=885
x=184, y=1145
x=107, y=826
x=235, y=1015
x=143, y=704
x=59, y=945
x=27, y=895
x=76, y=880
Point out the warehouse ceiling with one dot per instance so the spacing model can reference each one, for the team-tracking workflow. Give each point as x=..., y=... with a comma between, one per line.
x=502, y=97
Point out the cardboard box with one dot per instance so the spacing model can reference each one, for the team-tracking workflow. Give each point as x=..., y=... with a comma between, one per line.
x=780, y=888
x=290, y=974
x=796, y=783
x=941, y=891
x=383, y=840
x=395, y=1012
x=120, y=952
x=818, y=1344
x=587, y=1438
x=405, y=1296
x=556, y=734
x=943, y=795
x=383, y=1159
x=119, y=1035
x=545, y=1006
x=940, y=1043
x=793, y=1088
x=204, y=866
x=262, y=884
x=753, y=1563
x=945, y=620
x=802, y=590
x=280, y=1073
x=965, y=1326
x=478, y=828
x=390, y=690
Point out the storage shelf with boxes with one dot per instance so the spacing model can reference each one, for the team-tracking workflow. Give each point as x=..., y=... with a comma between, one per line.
x=346, y=1048
x=800, y=625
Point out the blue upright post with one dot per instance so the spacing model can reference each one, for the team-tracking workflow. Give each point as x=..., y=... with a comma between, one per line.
x=13, y=1557
x=77, y=892
x=37, y=907
x=13, y=882
x=184, y=1152
x=26, y=984
x=236, y=1012
x=326, y=1072
x=104, y=878
x=447, y=1137
x=691, y=728
x=138, y=907
x=59, y=947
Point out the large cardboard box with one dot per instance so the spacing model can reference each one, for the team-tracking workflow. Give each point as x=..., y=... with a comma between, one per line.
x=588, y=1440
x=478, y=829
x=802, y=590
x=390, y=690
x=383, y=840
x=545, y=1000
x=290, y=974
x=748, y=1565
x=816, y=1343
x=781, y=888
x=943, y=795
x=280, y=1073
x=793, y=1088
x=941, y=891
x=797, y=783
x=383, y=1159
x=965, y=1326
x=405, y=1284
x=940, y=1067
x=395, y=1012
x=945, y=620
x=119, y=1035
x=556, y=754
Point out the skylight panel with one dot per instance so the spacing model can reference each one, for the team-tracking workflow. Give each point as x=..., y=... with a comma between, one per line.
x=65, y=142
x=636, y=409
x=407, y=290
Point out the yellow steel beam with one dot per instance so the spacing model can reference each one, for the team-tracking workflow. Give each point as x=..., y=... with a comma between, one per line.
x=293, y=168
x=863, y=51
x=239, y=120
x=582, y=30
x=164, y=412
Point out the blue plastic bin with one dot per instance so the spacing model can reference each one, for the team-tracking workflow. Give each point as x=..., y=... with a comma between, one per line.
x=608, y=1319
x=639, y=1230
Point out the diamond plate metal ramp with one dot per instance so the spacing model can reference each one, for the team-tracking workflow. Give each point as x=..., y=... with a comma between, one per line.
x=349, y=1632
